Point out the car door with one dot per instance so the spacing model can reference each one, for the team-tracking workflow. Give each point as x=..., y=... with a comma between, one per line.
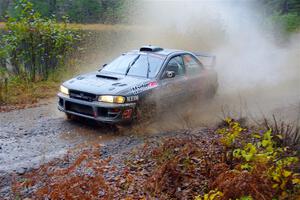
x=173, y=88
x=196, y=76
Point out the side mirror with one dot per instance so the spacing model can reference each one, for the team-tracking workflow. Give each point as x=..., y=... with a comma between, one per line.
x=170, y=74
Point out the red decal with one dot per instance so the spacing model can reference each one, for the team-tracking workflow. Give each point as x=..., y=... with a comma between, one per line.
x=152, y=84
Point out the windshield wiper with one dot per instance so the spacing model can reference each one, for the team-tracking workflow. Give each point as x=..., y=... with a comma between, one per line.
x=131, y=64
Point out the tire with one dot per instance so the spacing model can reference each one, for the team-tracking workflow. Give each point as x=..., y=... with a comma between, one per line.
x=69, y=116
x=211, y=92
x=146, y=112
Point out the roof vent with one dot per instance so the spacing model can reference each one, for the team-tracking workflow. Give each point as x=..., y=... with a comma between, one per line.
x=151, y=48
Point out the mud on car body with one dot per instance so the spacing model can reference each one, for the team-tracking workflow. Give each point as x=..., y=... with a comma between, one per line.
x=120, y=90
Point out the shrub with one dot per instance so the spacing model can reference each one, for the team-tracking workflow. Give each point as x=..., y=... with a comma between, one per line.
x=35, y=46
x=263, y=160
x=290, y=22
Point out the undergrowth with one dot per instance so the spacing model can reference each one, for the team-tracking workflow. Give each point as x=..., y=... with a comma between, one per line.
x=231, y=162
x=19, y=92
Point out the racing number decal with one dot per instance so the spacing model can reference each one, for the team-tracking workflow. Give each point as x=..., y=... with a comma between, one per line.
x=132, y=98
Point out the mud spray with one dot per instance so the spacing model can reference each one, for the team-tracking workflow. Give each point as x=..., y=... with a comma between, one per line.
x=259, y=71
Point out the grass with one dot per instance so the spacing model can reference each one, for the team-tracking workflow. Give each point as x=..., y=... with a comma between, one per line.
x=104, y=27
x=97, y=27
x=19, y=93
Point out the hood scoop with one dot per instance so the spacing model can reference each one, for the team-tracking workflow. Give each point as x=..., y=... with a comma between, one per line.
x=119, y=84
x=106, y=77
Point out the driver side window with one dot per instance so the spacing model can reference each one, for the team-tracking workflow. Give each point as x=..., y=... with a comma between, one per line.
x=176, y=65
x=192, y=65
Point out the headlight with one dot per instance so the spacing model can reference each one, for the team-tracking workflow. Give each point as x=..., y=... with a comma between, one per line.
x=64, y=90
x=111, y=99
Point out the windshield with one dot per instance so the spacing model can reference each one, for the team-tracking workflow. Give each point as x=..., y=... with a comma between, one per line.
x=135, y=65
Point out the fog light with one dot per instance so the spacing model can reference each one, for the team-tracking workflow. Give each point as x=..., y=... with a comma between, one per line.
x=127, y=114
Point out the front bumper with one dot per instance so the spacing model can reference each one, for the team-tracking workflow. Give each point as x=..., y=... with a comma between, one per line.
x=99, y=111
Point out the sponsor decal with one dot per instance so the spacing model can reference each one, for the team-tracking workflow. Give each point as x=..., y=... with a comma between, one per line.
x=142, y=87
x=139, y=88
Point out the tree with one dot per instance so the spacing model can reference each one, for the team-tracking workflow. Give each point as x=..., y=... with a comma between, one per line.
x=83, y=11
x=79, y=11
x=35, y=46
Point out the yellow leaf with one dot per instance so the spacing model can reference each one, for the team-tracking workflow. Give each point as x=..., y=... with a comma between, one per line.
x=286, y=173
x=206, y=197
x=275, y=185
x=228, y=120
x=296, y=181
x=279, y=136
x=197, y=198
x=265, y=143
x=284, y=194
x=257, y=136
x=212, y=196
x=283, y=184
x=276, y=178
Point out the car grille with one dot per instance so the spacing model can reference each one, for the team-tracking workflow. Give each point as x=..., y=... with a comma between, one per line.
x=82, y=95
x=79, y=108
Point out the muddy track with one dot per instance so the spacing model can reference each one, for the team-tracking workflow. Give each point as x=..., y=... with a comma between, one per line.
x=33, y=136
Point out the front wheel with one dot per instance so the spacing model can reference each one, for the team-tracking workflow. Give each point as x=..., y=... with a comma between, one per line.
x=69, y=116
x=146, y=112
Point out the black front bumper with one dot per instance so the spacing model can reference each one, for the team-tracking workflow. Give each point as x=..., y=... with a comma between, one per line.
x=99, y=111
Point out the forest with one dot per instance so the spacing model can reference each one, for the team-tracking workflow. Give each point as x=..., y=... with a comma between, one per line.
x=78, y=11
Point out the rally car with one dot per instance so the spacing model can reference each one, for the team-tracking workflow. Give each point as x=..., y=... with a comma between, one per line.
x=125, y=89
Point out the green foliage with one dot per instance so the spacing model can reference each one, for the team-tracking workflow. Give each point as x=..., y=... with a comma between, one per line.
x=84, y=11
x=284, y=12
x=211, y=195
x=35, y=46
x=20, y=91
x=79, y=11
x=282, y=175
x=246, y=198
x=290, y=21
x=282, y=6
x=231, y=132
x=262, y=151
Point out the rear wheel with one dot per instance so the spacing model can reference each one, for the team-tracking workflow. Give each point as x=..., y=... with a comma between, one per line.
x=211, y=92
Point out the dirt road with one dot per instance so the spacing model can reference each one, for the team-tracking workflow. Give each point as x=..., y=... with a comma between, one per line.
x=33, y=136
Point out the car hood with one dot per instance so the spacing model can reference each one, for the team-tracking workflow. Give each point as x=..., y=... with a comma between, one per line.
x=100, y=83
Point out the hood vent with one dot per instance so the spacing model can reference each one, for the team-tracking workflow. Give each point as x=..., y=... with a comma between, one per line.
x=107, y=77
x=119, y=84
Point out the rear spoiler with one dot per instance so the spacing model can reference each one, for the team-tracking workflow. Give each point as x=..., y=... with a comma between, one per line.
x=208, y=60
